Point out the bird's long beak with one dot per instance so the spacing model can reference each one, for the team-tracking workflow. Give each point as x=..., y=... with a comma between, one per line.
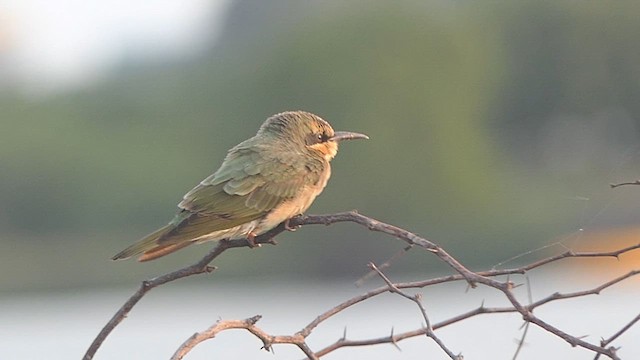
x=347, y=135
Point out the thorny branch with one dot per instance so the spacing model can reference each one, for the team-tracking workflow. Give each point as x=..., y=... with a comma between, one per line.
x=526, y=324
x=605, y=342
x=417, y=299
x=248, y=324
x=486, y=278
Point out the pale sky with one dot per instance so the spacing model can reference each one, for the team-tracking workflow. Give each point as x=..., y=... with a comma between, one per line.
x=52, y=45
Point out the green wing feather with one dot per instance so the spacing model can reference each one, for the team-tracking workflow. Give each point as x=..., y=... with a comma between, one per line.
x=247, y=186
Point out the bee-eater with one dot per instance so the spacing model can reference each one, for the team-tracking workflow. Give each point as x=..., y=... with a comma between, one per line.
x=262, y=182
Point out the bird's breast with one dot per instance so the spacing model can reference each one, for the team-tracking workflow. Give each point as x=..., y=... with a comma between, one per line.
x=296, y=205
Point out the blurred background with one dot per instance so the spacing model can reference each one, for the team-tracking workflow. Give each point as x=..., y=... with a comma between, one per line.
x=496, y=129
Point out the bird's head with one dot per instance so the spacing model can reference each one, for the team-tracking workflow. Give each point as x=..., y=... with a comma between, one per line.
x=307, y=132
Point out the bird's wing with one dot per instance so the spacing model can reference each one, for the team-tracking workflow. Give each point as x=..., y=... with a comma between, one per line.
x=245, y=188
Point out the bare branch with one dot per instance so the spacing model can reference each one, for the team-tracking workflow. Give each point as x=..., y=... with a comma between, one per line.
x=417, y=300
x=608, y=341
x=526, y=324
x=486, y=278
x=247, y=324
x=378, y=226
x=613, y=186
x=384, y=265
x=343, y=342
x=594, y=291
x=200, y=267
x=211, y=332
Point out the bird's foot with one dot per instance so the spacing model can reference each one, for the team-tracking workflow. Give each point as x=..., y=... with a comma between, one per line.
x=288, y=227
x=251, y=239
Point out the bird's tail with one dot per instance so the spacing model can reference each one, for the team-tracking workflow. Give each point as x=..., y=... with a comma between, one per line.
x=150, y=248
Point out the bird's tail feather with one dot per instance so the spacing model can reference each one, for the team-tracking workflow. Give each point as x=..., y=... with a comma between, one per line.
x=162, y=250
x=149, y=247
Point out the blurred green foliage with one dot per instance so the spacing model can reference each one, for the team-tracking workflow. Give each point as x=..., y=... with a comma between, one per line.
x=456, y=96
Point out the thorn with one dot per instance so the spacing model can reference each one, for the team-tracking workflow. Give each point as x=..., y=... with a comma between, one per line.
x=395, y=344
x=254, y=319
x=344, y=334
x=573, y=343
x=393, y=340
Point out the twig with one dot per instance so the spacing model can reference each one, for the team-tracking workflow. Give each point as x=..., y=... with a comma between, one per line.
x=200, y=267
x=605, y=342
x=384, y=265
x=637, y=182
x=417, y=300
x=249, y=325
x=526, y=324
x=594, y=291
x=402, y=234
x=211, y=332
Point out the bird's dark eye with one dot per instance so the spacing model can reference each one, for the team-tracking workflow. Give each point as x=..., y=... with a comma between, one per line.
x=317, y=138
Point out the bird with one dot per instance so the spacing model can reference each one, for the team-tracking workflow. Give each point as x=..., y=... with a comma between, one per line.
x=262, y=182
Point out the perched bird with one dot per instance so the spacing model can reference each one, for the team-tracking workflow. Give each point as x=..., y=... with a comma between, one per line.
x=262, y=182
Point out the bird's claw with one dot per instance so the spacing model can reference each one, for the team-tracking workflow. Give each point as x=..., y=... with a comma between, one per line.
x=288, y=227
x=251, y=239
